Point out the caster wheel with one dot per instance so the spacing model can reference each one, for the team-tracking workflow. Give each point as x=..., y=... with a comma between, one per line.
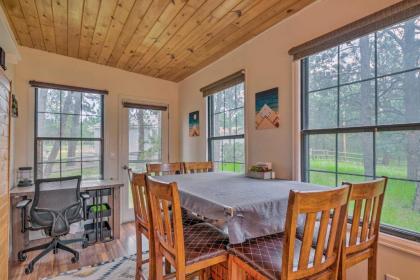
x=55, y=251
x=85, y=244
x=29, y=269
x=22, y=257
x=75, y=259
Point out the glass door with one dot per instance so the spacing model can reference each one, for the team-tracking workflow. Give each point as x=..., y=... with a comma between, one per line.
x=144, y=141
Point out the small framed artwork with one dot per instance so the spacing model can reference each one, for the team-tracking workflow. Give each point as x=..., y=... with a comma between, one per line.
x=267, y=109
x=194, y=123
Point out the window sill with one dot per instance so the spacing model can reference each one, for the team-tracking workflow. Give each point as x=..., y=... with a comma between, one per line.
x=400, y=244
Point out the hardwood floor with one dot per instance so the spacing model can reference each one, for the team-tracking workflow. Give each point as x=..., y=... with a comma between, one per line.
x=52, y=264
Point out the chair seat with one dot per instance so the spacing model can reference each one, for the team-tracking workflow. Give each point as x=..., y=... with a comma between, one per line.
x=203, y=241
x=189, y=219
x=264, y=254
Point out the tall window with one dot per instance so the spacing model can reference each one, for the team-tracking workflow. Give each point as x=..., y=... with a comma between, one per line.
x=226, y=129
x=361, y=119
x=68, y=134
x=144, y=137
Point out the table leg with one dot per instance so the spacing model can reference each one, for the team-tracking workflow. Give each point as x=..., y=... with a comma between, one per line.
x=116, y=208
x=19, y=240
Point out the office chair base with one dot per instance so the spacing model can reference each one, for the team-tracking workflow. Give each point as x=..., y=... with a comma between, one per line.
x=55, y=245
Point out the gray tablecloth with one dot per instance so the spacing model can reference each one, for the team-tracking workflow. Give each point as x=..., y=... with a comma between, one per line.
x=250, y=207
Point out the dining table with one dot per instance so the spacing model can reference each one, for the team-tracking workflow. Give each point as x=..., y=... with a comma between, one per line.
x=245, y=207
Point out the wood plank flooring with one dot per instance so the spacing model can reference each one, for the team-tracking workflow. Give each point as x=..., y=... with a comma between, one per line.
x=52, y=264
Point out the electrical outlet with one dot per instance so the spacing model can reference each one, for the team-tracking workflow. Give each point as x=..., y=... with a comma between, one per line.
x=391, y=277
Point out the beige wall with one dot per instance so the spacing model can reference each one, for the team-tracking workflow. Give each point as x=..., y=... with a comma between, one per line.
x=53, y=68
x=268, y=65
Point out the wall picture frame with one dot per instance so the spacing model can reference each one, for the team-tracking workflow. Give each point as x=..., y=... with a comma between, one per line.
x=194, y=124
x=267, y=109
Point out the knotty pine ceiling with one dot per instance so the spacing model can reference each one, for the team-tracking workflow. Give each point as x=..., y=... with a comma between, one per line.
x=167, y=39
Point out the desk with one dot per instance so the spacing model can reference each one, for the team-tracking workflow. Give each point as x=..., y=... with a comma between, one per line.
x=248, y=207
x=21, y=240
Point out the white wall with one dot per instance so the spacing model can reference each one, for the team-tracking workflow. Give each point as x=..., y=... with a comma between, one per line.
x=267, y=65
x=53, y=68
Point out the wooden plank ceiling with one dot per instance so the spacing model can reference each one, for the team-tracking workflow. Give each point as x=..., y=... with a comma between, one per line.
x=168, y=39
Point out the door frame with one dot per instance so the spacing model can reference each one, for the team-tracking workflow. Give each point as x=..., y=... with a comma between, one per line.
x=127, y=214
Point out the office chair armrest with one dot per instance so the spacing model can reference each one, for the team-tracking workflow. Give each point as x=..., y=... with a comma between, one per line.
x=22, y=205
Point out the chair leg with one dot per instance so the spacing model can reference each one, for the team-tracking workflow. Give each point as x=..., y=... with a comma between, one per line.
x=63, y=247
x=372, y=267
x=48, y=249
x=139, y=259
x=35, y=248
x=341, y=274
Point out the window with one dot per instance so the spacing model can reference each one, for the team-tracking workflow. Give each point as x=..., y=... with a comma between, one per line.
x=68, y=134
x=361, y=119
x=144, y=137
x=226, y=129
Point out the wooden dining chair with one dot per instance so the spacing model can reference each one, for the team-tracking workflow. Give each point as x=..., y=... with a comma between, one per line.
x=141, y=217
x=189, y=249
x=361, y=241
x=283, y=256
x=198, y=167
x=160, y=169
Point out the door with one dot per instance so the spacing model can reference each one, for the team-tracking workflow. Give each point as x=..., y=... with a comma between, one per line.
x=4, y=174
x=144, y=139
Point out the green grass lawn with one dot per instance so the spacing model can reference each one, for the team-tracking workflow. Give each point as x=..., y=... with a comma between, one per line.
x=398, y=207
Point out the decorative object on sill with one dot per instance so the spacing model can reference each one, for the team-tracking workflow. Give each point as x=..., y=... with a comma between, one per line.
x=262, y=170
x=15, y=110
x=3, y=59
x=267, y=109
x=194, y=123
x=24, y=176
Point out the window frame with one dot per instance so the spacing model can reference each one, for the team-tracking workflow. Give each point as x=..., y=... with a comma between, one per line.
x=373, y=129
x=211, y=138
x=60, y=138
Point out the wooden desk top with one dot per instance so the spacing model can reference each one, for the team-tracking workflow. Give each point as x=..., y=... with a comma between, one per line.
x=85, y=185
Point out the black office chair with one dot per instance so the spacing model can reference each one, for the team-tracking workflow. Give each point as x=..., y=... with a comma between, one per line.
x=56, y=205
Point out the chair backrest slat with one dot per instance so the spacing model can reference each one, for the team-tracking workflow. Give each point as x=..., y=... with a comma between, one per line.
x=314, y=205
x=366, y=219
x=369, y=198
x=198, y=167
x=307, y=240
x=161, y=169
x=322, y=236
x=139, y=193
